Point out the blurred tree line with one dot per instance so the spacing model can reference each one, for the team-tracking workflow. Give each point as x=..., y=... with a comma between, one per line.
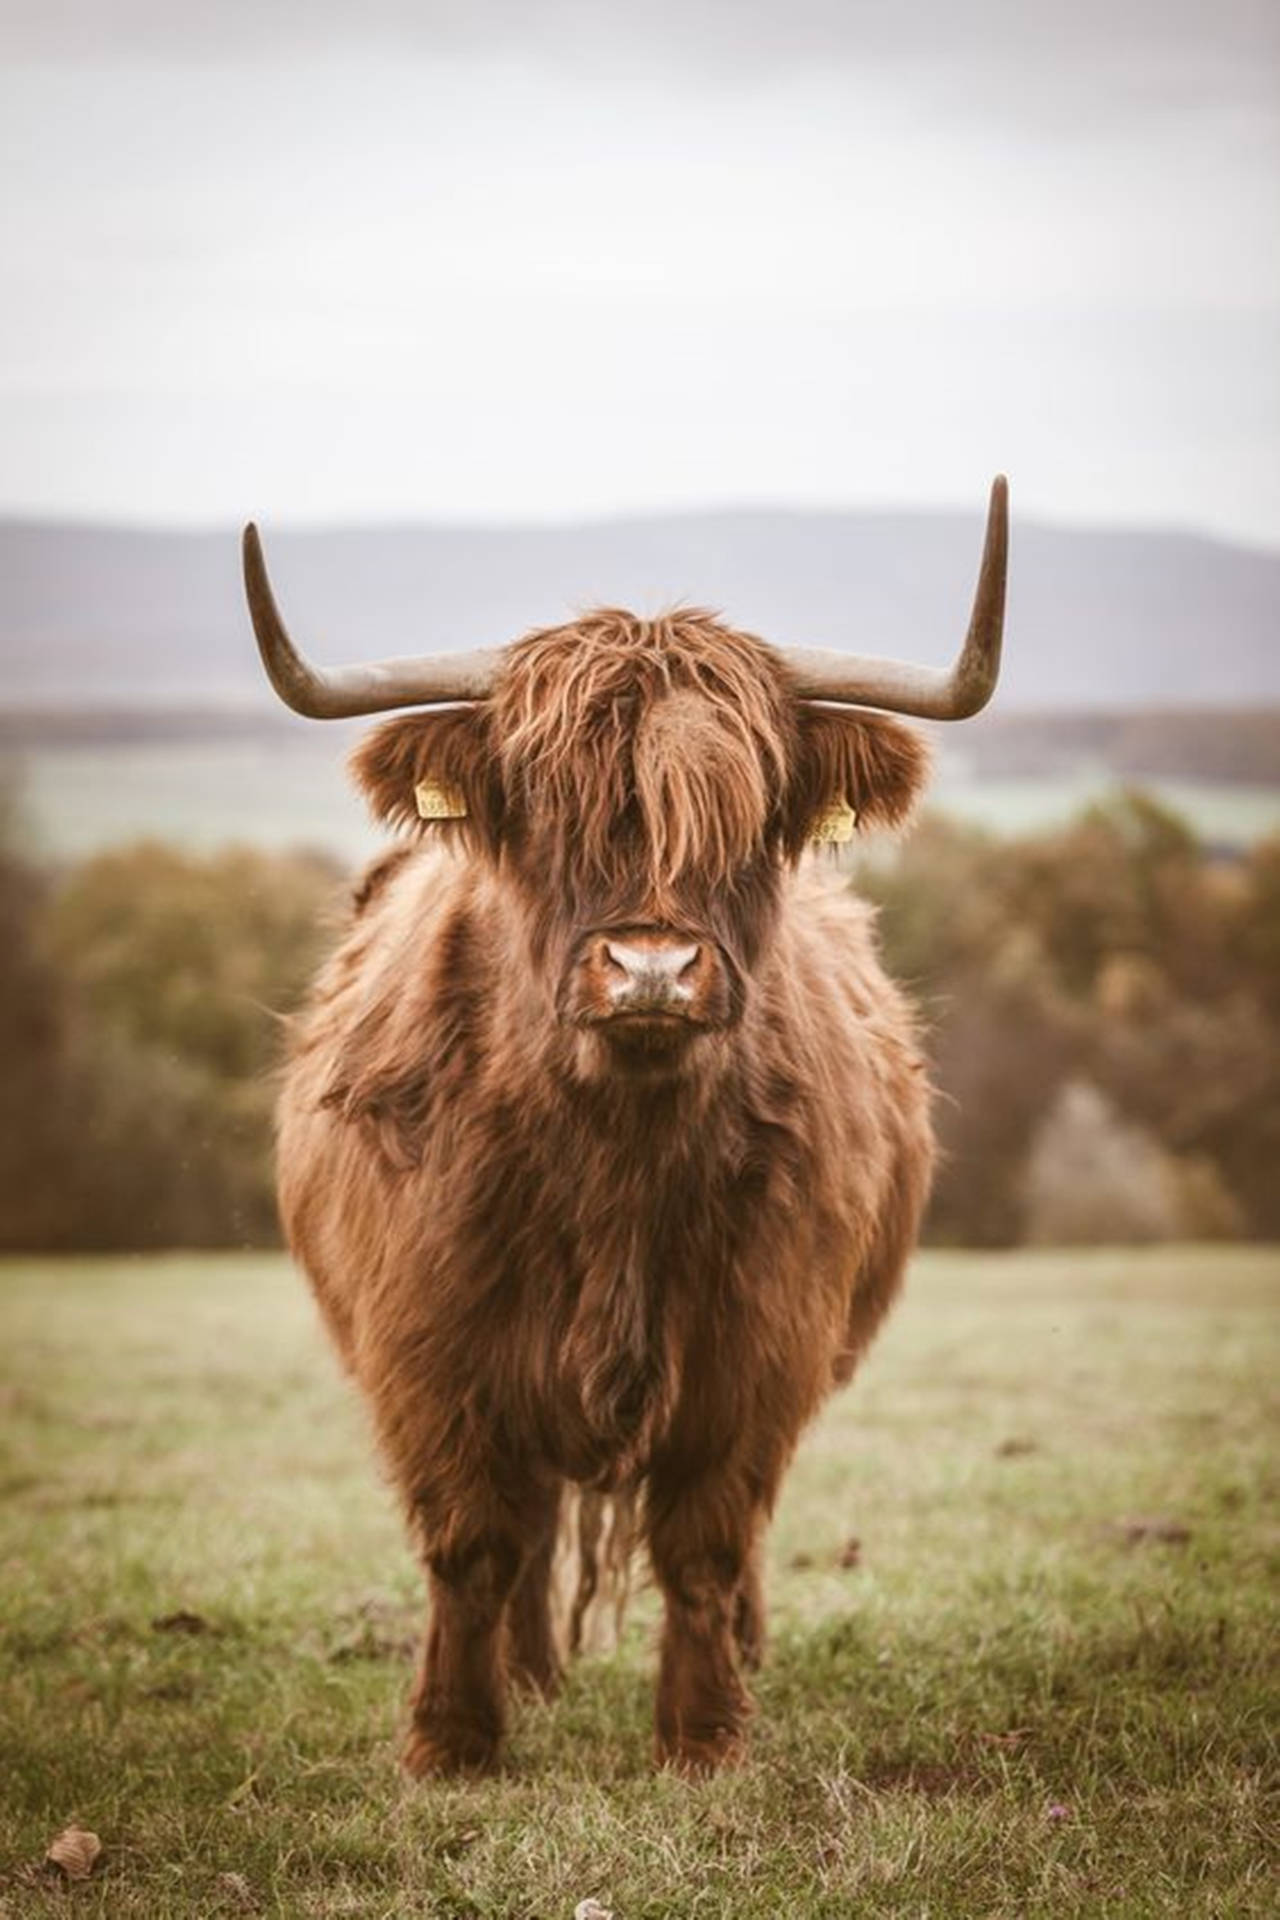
x=1102, y=1006
x=141, y=996
x=1104, y=1011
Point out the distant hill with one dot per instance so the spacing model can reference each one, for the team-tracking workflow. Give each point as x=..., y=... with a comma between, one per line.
x=1115, y=620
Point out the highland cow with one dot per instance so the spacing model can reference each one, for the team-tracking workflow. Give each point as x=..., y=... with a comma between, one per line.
x=604, y=1139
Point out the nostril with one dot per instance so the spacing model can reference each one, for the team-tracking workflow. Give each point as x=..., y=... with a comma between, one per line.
x=690, y=966
x=618, y=959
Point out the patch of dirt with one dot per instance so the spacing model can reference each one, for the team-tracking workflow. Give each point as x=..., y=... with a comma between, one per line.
x=17, y=1483
x=183, y=1621
x=177, y=1688
x=1159, y=1532
x=1011, y=1742
x=368, y=1643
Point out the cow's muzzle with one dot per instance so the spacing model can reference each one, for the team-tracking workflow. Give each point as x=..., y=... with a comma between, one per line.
x=648, y=982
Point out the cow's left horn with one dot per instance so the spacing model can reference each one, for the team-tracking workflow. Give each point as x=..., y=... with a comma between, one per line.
x=337, y=693
x=930, y=693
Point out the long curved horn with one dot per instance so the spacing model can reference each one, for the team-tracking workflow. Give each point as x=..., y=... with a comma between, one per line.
x=336, y=693
x=930, y=693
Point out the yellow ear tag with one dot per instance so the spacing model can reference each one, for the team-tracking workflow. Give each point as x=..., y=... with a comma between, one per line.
x=834, y=825
x=439, y=803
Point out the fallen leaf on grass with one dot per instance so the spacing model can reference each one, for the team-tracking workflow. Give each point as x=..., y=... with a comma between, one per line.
x=74, y=1852
x=1015, y=1447
x=181, y=1622
x=238, y=1891
x=592, y=1910
x=1010, y=1741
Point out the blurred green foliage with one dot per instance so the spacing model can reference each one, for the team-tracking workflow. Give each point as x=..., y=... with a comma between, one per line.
x=1114, y=954
x=141, y=995
x=1102, y=1006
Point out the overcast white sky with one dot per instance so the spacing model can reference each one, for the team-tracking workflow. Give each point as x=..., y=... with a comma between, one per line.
x=503, y=260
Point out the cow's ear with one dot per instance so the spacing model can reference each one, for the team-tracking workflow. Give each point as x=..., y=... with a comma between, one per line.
x=436, y=772
x=848, y=758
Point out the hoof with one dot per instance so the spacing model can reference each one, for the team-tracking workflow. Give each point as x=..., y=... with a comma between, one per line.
x=432, y=1752
x=705, y=1752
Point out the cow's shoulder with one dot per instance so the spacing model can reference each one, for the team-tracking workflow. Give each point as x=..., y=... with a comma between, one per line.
x=376, y=876
x=826, y=917
x=835, y=983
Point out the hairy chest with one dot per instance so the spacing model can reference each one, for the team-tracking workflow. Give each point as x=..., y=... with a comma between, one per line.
x=615, y=1294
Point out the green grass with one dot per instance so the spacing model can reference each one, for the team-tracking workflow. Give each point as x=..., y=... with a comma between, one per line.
x=1010, y=1706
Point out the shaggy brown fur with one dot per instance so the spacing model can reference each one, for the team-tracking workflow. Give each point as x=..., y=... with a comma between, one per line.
x=555, y=1245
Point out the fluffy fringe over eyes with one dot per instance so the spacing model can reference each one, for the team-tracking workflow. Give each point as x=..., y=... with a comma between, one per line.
x=677, y=723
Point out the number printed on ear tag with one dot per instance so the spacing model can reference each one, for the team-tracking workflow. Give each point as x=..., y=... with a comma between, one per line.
x=834, y=824
x=439, y=803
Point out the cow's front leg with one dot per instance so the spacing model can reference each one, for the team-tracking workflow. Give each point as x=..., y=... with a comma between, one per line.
x=700, y=1542
x=475, y=1549
x=459, y=1704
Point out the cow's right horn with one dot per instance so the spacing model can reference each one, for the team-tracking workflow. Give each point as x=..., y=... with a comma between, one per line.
x=900, y=686
x=337, y=693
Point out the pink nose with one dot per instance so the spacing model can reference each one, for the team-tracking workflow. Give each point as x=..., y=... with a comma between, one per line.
x=652, y=973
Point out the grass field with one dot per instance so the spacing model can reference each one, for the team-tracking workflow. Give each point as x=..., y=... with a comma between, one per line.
x=1043, y=1688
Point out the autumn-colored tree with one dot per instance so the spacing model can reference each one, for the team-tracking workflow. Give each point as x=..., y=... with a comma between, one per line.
x=1113, y=953
x=1103, y=987
x=139, y=1012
